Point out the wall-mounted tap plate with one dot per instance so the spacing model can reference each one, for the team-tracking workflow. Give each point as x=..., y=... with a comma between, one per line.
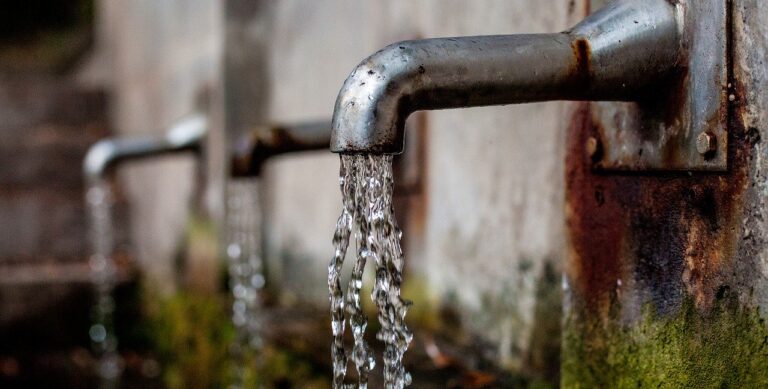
x=682, y=124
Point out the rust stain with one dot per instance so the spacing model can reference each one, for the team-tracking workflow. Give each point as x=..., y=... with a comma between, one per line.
x=242, y=156
x=582, y=67
x=590, y=214
x=249, y=156
x=670, y=233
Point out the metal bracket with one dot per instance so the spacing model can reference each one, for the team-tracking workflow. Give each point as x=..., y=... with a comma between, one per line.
x=683, y=124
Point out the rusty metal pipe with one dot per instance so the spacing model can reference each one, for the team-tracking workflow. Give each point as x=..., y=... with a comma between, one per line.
x=186, y=135
x=619, y=53
x=263, y=143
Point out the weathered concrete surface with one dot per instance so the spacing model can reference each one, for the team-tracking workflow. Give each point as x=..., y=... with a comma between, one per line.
x=666, y=273
x=164, y=56
x=494, y=216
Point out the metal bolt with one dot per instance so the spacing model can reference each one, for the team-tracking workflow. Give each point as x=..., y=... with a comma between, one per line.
x=591, y=146
x=706, y=143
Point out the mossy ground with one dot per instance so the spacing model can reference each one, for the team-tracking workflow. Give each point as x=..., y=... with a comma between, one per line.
x=193, y=338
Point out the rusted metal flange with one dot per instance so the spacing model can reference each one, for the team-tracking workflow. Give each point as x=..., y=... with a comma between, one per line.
x=668, y=128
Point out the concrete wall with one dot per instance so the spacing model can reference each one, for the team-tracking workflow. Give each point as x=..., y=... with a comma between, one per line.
x=162, y=56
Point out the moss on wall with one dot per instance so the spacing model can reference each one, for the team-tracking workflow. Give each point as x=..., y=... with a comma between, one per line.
x=726, y=347
x=543, y=360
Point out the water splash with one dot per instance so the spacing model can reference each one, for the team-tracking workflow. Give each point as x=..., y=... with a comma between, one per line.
x=367, y=186
x=246, y=273
x=99, y=201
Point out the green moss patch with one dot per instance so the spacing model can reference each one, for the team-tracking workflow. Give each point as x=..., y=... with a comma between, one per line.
x=724, y=348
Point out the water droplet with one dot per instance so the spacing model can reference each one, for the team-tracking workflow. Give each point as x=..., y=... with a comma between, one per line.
x=234, y=250
x=243, y=229
x=98, y=333
x=257, y=281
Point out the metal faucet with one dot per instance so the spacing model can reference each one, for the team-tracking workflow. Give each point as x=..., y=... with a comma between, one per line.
x=618, y=53
x=251, y=151
x=186, y=135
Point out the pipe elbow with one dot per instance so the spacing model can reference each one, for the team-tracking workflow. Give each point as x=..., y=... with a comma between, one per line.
x=186, y=135
x=189, y=133
x=262, y=143
x=372, y=106
x=99, y=158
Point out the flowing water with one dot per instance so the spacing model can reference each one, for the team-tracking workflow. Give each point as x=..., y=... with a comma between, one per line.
x=366, y=185
x=99, y=200
x=246, y=273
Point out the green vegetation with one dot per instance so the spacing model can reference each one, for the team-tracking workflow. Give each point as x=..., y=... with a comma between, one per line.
x=192, y=336
x=725, y=348
x=192, y=339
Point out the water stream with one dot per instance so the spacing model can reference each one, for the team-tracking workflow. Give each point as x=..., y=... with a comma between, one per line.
x=99, y=201
x=366, y=184
x=246, y=273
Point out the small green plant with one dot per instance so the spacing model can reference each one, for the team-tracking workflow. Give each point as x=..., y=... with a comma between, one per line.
x=193, y=337
x=192, y=334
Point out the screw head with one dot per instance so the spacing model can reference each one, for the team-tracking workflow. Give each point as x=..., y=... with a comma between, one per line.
x=706, y=143
x=592, y=146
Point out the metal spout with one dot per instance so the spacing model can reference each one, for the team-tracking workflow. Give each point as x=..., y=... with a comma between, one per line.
x=617, y=54
x=266, y=142
x=186, y=135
